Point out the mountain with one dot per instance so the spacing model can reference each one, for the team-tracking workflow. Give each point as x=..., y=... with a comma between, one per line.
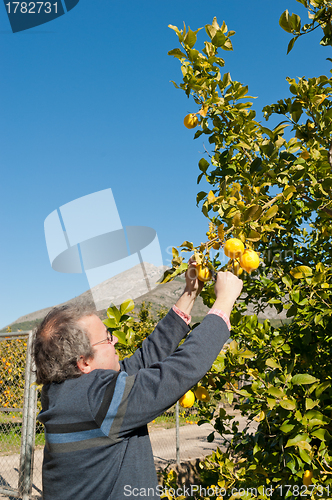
x=135, y=284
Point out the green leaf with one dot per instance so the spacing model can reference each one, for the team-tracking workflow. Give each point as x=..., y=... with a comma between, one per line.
x=210, y=437
x=271, y=403
x=233, y=347
x=246, y=354
x=287, y=404
x=304, y=455
x=301, y=272
x=174, y=28
x=309, y=403
x=296, y=111
x=127, y=306
x=227, y=45
x=121, y=336
x=170, y=274
x=167, y=276
x=226, y=80
x=177, y=53
x=255, y=450
x=175, y=252
x=287, y=280
x=200, y=196
x=190, y=38
x=286, y=428
x=219, y=363
x=272, y=363
x=110, y=323
x=211, y=30
x=175, y=84
x=256, y=165
x=272, y=211
x=229, y=397
x=322, y=434
x=252, y=213
x=291, y=464
x=286, y=348
x=242, y=392
x=254, y=236
x=284, y=22
x=299, y=438
x=274, y=391
x=315, y=417
x=303, y=379
x=288, y=192
x=303, y=2
x=274, y=301
x=295, y=22
x=219, y=39
x=304, y=445
x=321, y=388
x=114, y=313
x=211, y=197
x=187, y=244
x=291, y=44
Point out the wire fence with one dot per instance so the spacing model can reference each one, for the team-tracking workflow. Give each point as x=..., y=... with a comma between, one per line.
x=18, y=400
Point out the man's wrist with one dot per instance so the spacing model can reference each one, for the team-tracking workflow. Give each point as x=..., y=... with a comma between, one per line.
x=186, y=301
x=222, y=315
x=224, y=304
x=186, y=317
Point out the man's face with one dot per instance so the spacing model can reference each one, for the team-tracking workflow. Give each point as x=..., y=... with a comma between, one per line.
x=105, y=356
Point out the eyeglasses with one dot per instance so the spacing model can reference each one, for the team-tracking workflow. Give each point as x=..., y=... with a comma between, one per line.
x=108, y=340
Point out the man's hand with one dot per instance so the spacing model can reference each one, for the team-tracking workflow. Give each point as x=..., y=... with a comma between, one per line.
x=192, y=290
x=193, y=285
x=227, y=289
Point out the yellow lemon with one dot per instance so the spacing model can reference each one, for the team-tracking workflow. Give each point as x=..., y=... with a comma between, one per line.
x=307, y=476
x=190, y=121
x=233, y=248
x=187, y=400
x=249, y=260
x=202, y=394
x=203, y=273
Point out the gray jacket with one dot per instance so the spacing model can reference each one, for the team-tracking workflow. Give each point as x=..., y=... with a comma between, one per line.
x=97, y=442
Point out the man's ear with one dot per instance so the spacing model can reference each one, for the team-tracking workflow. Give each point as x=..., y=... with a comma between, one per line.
x=84, y=365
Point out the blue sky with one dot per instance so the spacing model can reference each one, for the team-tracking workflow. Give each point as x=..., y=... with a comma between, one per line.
x=87, y=104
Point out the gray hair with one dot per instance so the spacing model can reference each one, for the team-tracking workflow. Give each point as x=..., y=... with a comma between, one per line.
x=59, y=342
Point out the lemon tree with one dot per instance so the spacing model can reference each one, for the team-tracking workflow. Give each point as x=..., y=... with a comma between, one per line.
x=267, y=198
x=12, y=371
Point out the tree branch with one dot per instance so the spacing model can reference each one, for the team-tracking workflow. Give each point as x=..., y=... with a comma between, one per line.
x=328, y=211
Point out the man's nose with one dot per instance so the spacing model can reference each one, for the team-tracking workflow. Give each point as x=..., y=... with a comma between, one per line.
x=115, y=340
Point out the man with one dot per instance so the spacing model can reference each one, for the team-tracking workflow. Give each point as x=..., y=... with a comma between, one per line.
x=95, y=408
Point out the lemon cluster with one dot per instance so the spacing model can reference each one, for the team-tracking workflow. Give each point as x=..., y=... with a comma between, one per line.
x=245, y=258
x=188, y=399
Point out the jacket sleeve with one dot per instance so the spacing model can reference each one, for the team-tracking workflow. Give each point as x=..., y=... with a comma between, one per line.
x=158, y=345
x=138, y=399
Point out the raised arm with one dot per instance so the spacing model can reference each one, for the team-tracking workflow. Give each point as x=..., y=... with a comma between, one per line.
x=169, y=331
x=143, y=397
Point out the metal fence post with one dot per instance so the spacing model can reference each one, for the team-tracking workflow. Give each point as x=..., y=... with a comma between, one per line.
x=29, y=426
